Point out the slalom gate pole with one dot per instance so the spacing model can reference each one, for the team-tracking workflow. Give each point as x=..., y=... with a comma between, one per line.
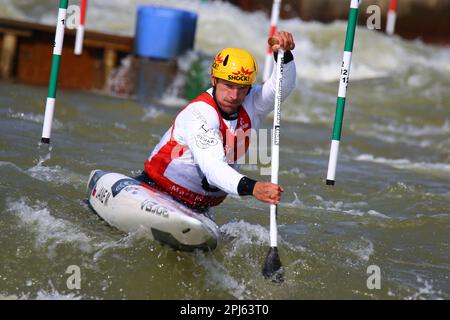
x=273, y=28
x=391, y=17
x=56, y=61
x=340, y=104
x=80, y=28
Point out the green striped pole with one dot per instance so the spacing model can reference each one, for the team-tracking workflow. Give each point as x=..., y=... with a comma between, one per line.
x=340, y=104
x=56, y=60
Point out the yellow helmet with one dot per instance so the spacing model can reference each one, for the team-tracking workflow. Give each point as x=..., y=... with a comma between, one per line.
x=235, y=65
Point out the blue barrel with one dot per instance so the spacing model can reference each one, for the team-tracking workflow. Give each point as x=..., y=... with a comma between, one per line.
x=164, y=33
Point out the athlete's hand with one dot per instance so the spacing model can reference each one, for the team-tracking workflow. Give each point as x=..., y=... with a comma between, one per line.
x=268, y=192
x=281, y=39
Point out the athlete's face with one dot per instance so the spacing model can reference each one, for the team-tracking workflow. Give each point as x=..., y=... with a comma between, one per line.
x=229, y=95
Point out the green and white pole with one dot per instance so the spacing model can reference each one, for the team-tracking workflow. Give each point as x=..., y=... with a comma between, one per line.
x=340, y=104
x=56, y=61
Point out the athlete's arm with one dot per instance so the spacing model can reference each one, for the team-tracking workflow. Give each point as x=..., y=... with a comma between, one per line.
x=263, y=96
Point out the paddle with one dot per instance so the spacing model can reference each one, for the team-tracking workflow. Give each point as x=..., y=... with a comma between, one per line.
x=272, y=266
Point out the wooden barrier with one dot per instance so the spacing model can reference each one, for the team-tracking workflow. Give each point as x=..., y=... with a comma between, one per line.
x=26, y=50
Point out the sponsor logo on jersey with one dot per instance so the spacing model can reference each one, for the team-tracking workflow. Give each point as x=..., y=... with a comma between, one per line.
x=204, y=141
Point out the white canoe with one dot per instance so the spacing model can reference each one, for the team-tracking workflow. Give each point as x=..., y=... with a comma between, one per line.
x=129, y=205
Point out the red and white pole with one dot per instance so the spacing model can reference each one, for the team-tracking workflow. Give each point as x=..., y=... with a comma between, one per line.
x=80, y=28
x=391, y=17
x=273, y=28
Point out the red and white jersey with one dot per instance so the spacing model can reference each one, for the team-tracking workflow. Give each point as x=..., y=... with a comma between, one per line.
x=196, y=158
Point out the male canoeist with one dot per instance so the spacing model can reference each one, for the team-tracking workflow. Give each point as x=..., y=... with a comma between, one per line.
x=196, y=159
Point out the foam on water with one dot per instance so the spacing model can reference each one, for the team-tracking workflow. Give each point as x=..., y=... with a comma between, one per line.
x=37, y=118
x=425, y=291
x=244, y=234
x=414, y=131
x=363, y=248
x=394, y=139
x=151, y=112
x=42, y=295
x=128, y=241
x=121, y=126
x=173, y=101
x=51, y=294
x=219, y=275
x=50, y=231
x=45, y=294
x=54, y=174
x=296, y=172
x=242, y=259
x=438, y=168
x=7, y=163
x=346, y=208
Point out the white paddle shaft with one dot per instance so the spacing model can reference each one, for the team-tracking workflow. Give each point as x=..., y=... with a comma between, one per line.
x=276, y=145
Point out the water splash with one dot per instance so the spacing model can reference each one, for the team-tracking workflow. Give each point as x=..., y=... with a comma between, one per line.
x=426, y=291
x=37, y=118
x=51, y=232
x=219, y=275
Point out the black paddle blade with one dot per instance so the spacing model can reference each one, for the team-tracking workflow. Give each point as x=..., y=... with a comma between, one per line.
x=272, y=266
